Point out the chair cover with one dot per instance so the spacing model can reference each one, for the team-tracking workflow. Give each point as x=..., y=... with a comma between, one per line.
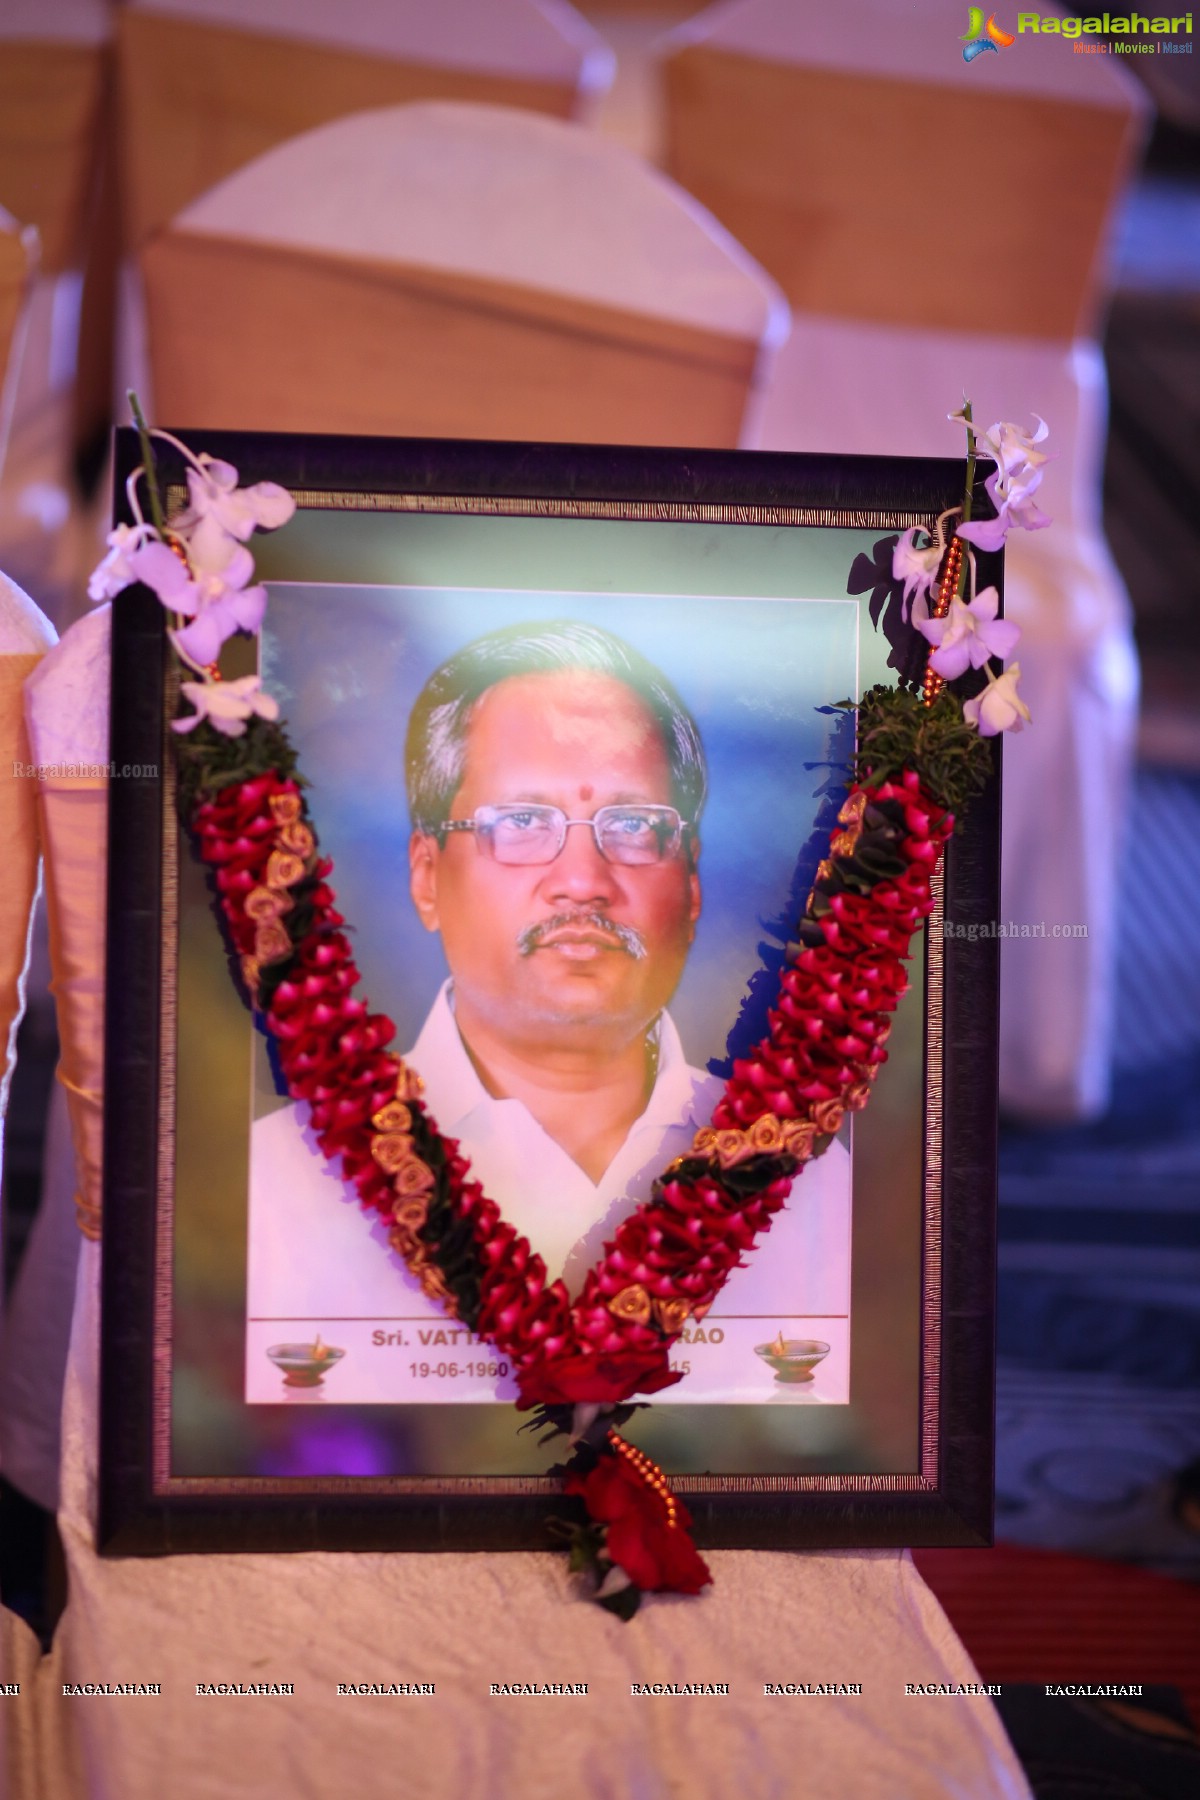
x=36, y=1327
x=71, y=827
x=459, y=1621
x=458, y=270
x=53, y=87
x=879, y=176
x=209, y=85
x=51, y=83
x=18, y=258
x=836, y=157
x=881, y=390
x=25, y=636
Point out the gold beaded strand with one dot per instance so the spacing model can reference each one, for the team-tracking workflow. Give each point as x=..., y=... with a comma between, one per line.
x=947, y=588
x=649, y=1471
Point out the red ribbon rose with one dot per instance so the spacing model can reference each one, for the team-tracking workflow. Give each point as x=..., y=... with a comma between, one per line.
x=657, y=1557
x=603, y=1380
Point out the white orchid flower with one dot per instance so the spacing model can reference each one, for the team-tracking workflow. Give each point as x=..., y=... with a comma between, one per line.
x=1014, y=505
x=1013, y=449
x=999, y=707
x=916, y=567
x=212, y=593
x=228, y=704
x=968, y=635
x=116, y=571
x=219, y=508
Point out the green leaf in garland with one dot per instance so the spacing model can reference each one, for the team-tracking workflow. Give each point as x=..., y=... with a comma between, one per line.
x=624, y=1603
x=897, y=731
x=209, y=760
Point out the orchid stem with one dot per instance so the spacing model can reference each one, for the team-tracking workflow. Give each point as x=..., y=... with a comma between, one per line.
x=151, y=467
x=966, y=507
x=159, y=517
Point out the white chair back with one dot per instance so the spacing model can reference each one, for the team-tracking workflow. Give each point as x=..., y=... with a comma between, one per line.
x=25, y=636
x=458, y=270
x=209, y=85
x=880, y=177
x=54, y=87
x=52, y=74
x=18, y=260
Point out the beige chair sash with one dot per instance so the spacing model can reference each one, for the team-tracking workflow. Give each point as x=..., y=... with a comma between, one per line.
x=50, y=99
x=457, y=270
x=19, y=836
x=339, y=343
x=25, y=636
x=874, y=192
x=67, y=711
x=18, y=257
x=198, y=101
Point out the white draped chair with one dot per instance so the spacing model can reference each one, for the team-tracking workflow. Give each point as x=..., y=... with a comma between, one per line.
x=53, y=74
x=25, y=636
x=209, y=85
x=62, y=815
x=939, y=229
x=460, y=1621
x=458, y=270
x=18, y=260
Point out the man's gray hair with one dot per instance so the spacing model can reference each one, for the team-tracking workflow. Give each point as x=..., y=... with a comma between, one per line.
x=435, y=751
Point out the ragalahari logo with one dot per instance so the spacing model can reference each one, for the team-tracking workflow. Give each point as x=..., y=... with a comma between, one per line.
x=980, y=37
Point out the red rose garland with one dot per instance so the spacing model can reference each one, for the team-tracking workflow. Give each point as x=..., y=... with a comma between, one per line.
x=669, y=1260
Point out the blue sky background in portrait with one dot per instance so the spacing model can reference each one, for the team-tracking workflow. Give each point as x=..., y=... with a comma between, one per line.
x=347, y=664
x=346, y=657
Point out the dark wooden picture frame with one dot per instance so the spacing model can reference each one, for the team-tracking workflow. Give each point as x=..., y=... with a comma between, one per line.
x=946, y=1497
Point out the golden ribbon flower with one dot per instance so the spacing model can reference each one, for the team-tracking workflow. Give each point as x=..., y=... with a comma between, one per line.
x=409, y=1085
x=283, y=869
x=260, y=904
x=632, y=1303
x=412, y=1177
x=671, y=1315
x=391, y=1150
x=271, y=941
x=395, y=1116
x=799, y=1136
x=766, y=1135
x=297, y=837
x=410, y=1214
x=732, y=1148
x=827, y=1115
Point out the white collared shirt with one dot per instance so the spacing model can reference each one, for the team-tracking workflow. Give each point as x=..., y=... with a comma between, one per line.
x=546, y=1195
x=316, y=1260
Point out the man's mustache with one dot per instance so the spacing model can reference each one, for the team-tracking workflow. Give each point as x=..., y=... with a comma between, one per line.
x=627, y=937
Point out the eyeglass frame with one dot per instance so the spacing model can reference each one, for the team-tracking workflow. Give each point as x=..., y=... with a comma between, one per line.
x=480, y=829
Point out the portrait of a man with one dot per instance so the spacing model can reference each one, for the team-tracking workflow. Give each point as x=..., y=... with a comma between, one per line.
x=556, y=788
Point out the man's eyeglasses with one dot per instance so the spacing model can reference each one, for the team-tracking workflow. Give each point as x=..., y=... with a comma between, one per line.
x=526, y=834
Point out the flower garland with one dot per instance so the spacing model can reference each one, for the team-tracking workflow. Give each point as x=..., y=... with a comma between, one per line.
x=921, y=757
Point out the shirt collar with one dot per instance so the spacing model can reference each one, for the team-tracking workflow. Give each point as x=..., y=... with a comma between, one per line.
x=453, y=1089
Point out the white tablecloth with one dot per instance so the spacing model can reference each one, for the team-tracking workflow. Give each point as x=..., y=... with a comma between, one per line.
x=464, y=1622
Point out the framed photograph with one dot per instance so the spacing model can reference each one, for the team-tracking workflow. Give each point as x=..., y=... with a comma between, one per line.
x=570, y=727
